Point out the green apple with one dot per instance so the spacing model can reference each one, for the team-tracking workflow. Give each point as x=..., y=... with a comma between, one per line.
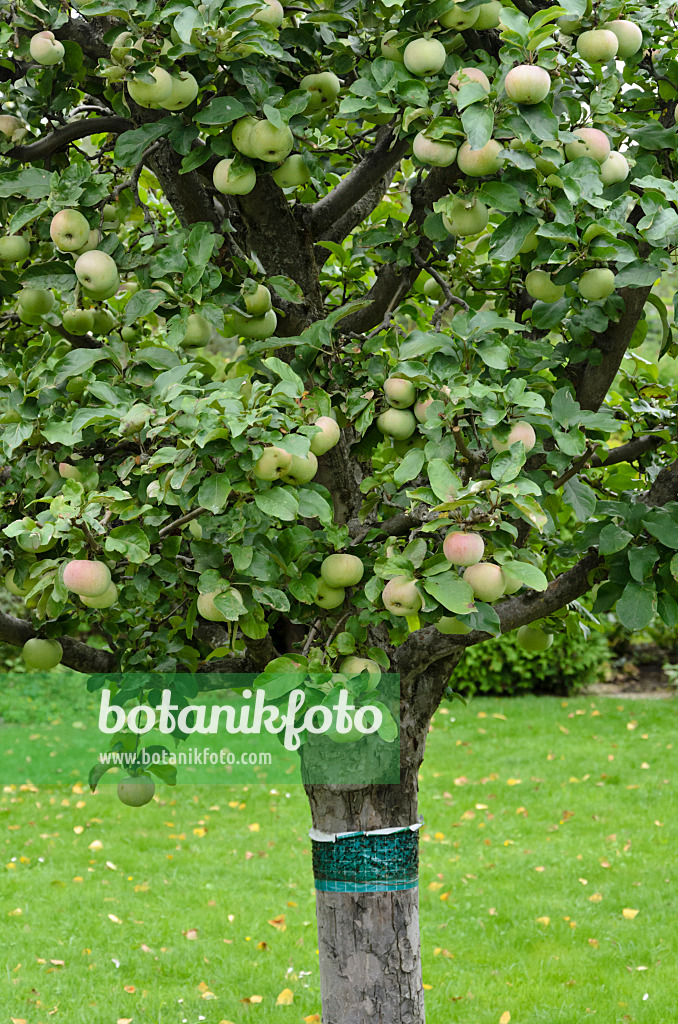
x=463, y=548
x=97, y=273
x=432, y=290
x=198, y=332
x=478, y=163
x=401, y=597
x=12, y=127
x=432, y=153
x=457, y=18
x=487, y=580
x=520, y=431
x=353, y=666
x=184, y=91
x=451, y=626
x=323, y=89
x=91, y=243
x=233, y=183
x=598, y=46
x=424, y=57
x=533, y=638
x=134, y=421
x=14, y=248
x=329, y=597
x=342, y=570
x=614, y=169
x=303, y=469
x=629, y=37
x=120, y=48
x=468, y=216
x=541, y=287
x=590, y=142
x=78, y=321
x=105, y=600
x=257, y=327
x=400, y=393
x=46, y=49
x=327, y=438
x=195, y=530
x=464, y=76
x=397, y=423
x=273, y=464
x=531, y=242
x=272, y=14
x=489, y=15
x=240, y=135
x=527, y=84
x=103, y=322
x=550, y=159
x=270, y=144
x=420, y=408
x=86, y=578
x=149, y=95
x=207, y=608
x=389, y=49
x=69, y=230
x=257, y=299
x=292, y=173
x=13, y=588
x=596, y=284
x=36, y=301
x=42, y=655
x=136, y=790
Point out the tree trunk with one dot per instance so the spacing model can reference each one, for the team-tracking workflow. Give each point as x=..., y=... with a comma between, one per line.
x=370, y=962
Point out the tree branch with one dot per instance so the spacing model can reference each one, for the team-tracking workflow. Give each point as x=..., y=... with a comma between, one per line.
x=355, y=216
x=386, y=154
x=62, y=137
x=77, y=655
x=428, y=645
x=393, y=282
x=628, y=452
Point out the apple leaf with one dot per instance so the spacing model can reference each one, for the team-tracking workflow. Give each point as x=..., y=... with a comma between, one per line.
x=451, y=592
x=277, y=502
x=131, y=145
x=222, y=110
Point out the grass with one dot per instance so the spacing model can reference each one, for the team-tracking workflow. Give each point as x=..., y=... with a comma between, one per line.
x=546, y=820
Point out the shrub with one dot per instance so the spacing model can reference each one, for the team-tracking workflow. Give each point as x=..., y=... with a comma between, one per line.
x=501, y=667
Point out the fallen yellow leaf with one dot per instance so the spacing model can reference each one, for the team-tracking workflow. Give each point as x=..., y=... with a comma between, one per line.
x=313, y=1019
x=505, y=1018
x=546, y=921
x=254, y=827
x=629, y=914
x=278, y=922
x=191, y=934
x=594, y=943
x=114, y=919
x=286, y=998
x=596, y=897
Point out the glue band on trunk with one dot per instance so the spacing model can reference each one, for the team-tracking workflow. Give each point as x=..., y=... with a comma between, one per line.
x=384, y=860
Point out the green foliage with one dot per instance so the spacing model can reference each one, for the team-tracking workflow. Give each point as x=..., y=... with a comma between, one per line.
x=502, y=667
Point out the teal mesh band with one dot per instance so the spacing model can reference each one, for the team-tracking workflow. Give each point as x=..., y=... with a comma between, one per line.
x=382, y=861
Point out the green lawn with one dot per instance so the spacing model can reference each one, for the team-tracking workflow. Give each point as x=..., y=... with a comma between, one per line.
x=548, y=883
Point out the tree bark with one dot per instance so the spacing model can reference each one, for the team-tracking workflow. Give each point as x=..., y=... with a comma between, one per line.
x=369, y=944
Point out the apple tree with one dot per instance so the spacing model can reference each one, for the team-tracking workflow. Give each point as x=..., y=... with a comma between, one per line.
x=319, y=349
